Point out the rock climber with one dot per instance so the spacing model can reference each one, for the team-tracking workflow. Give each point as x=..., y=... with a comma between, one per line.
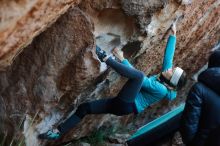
x=138, y=93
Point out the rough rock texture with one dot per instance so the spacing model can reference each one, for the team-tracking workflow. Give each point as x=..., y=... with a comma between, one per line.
x=57, y=63
x=59, y=69
x=142, y=10
x=22, y=20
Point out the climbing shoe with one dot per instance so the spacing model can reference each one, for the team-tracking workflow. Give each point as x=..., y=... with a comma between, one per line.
x=50, y=135
x=100, y=53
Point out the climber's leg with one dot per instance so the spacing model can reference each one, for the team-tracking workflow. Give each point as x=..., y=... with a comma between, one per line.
x=123, y=104
x=125, y=70
x=111, y=106
x=133, y=85
x=68, y=123
x=72, y=120
x=103, y=106
x=130, y=90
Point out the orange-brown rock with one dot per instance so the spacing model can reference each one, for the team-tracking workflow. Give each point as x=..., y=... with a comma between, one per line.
x=59, y=69
x=22, y=20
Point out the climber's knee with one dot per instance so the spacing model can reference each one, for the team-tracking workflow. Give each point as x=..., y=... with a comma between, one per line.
x=141, y=76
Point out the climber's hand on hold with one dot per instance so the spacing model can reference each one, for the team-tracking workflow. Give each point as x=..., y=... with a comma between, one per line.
x=118, y=53
x=173, y=28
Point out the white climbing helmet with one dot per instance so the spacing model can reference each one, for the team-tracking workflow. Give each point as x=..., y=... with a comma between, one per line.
x=176, y=76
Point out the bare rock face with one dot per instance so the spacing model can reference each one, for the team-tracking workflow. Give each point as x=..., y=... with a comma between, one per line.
x=142, y=10
x=59, y=70
x=56, y=63
x=22, y=20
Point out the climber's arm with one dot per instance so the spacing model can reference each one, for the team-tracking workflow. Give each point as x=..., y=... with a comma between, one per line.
x=168, y=56
x=169, y=53
x=170, y=49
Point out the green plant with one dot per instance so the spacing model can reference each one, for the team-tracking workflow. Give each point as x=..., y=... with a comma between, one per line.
x=96, y=138
x=3, y=139
x=20, y=140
